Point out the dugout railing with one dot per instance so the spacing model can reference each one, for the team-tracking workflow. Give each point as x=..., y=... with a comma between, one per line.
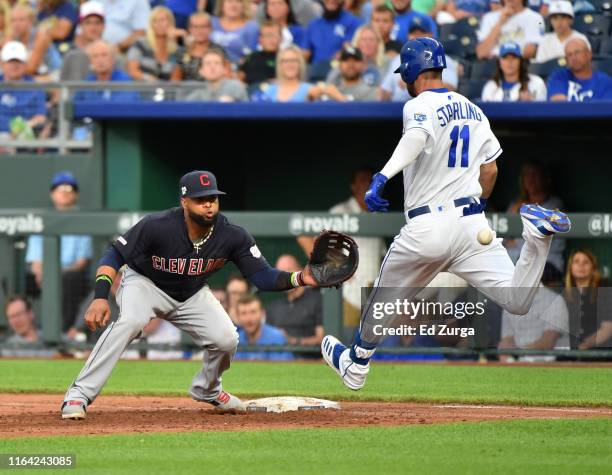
x=17, y=224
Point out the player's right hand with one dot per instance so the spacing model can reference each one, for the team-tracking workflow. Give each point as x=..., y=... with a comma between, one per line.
x=98, y=314
x=373, y=198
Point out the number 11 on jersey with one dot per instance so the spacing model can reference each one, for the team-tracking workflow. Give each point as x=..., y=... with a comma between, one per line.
x=456, y=135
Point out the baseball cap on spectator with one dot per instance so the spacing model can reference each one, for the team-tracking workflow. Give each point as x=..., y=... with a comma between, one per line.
x=561, y=7
x=349, y=52
x=14, y=51
x=198, y=183
x=91, y=8
x=64, y=178
x=510, y=48
x=418, y=24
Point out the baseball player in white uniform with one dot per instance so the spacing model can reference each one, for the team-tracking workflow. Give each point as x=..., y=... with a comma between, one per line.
x=447, y=154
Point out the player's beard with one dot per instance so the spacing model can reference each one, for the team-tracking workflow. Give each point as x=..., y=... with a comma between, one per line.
x=202, y=220
x=411, y=89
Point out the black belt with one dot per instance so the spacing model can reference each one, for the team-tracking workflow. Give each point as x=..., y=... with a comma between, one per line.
x=414, y=212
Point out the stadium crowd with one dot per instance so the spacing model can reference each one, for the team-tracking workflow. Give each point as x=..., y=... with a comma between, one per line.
x=299, y=50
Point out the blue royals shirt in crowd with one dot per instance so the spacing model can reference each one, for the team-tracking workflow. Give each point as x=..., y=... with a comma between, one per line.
x=402, y=23
x=597, y=88
x=269, y=336
x=22, y=103
x=475, y=7
x=325, y=37
x=108, y=95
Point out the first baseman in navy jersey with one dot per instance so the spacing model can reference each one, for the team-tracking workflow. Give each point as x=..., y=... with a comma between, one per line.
x=169, y=257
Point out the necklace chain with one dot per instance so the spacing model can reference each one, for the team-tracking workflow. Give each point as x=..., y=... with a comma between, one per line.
x=198, y=244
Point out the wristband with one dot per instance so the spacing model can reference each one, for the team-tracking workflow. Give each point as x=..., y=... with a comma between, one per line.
x=297, y=280
x=102, y=287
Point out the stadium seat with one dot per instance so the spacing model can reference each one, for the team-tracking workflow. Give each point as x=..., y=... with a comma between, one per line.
x=593, y=24
x=545, y=69
x=472, y=88
x=483, y=69
x=464, y=47
x=602, y=6
x=603, y=64
x=605, y=48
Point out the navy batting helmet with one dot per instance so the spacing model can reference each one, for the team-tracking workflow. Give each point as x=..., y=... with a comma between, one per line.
x=418, y=55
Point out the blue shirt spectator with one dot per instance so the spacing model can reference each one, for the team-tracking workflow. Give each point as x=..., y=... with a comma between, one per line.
x=254, y=331
x=326, y=35
x=108, y=95
x=30, y=106
x=300, y=95
x=475, y=7
x=125, y=21
x=181, y=10
x=236, y=43
x=269, y=336
x=61, y=21
x=72, y=248
x=578, y=82
x=403, y=21
x=563, y=82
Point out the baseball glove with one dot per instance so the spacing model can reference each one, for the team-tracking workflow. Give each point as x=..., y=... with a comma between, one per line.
x=334, y=259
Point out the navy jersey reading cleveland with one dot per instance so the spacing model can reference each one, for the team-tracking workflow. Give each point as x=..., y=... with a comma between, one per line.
x=159, y=248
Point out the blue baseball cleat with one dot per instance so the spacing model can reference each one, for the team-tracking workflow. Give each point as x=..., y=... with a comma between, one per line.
x=546, y=221
x=337, y=356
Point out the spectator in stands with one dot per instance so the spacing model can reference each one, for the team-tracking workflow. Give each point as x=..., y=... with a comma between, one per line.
x=58, y=18
x=126, y=21
x=394, y=89
x=75, y=251
x=189, y=57
x=233, y=28
x=460, y=9
x=22, y=322
x=75, y=66
x=538, y=6
x=372, y=47
x=578, y=82
x=404, y=18
x=300, y=313
x=535, y=186
x=153, y=58
x=22, y=112
x=371, y=249
x=589, y=301
x=183, y=9
x=348, y=85
x=383, y=19
x=304, y=11
x=217, y=86
x=235, y=288
x=511, y=81
x=545, y=326
x=326, y=35
x=513, y=22
x=281, y=13
x=102, y=66
x=43, y=57
x=260, y=66
x=430, y=8
x=552, y=46
x=253, y=330
x=290, y=74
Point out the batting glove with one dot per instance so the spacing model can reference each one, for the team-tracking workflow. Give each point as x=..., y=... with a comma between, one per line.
x=475, y=208
x=373, y=198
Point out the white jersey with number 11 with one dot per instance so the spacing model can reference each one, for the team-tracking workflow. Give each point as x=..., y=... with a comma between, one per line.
x=459, y=141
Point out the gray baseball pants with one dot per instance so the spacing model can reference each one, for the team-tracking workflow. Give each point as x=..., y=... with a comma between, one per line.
x=139, y=300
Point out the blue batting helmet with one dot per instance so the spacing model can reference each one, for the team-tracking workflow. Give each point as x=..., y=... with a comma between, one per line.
x=418, y=55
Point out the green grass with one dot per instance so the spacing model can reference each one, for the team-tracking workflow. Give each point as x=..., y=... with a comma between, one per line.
x=520, y=447
x=437, y=383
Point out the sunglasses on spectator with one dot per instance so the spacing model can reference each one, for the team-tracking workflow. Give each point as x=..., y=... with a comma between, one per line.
x=64, y=188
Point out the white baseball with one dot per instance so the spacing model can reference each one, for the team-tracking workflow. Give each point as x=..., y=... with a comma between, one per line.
x=485, y=236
